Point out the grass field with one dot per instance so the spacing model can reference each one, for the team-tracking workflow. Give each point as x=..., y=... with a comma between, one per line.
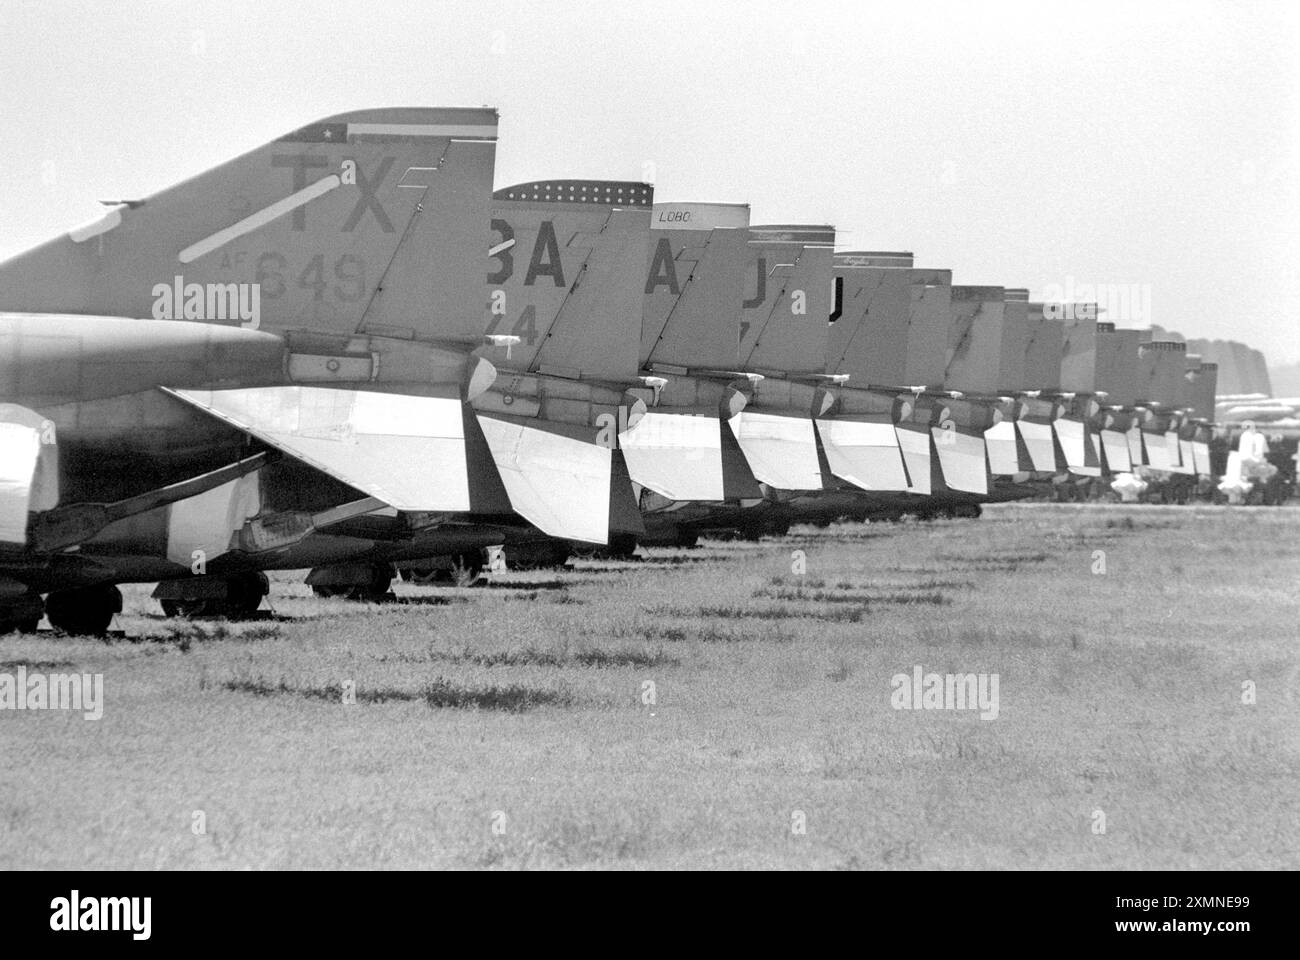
x=508, y=726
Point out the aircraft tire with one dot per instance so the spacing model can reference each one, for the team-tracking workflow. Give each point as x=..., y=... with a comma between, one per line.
x=686, y=538
x=545, y=555
x=85, y=611
x=466, y=570
x=622, y=546
x=22, y=616
x=244, y=593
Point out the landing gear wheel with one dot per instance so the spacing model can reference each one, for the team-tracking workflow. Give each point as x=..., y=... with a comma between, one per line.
x=622, y=546
x=686, y=539
x=373, y=590
x=244, y=593
x=188, y=609
x=421, y=576
x=22, y=615
x=541, y=555
x=466, y=570
x=86, y=611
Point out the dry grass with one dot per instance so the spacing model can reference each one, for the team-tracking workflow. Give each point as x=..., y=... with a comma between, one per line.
x=523, y=707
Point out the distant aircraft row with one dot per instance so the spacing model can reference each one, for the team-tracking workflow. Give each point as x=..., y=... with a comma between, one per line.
x=345, y=352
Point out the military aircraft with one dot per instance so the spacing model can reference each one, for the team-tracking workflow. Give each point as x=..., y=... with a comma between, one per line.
x=683, y=456
x=344, y=351
x=566, y=280
x=272, y=366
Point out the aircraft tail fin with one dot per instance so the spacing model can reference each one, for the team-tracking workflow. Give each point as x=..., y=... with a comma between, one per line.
x=892, y=320
x=975, y=339
x=567, y=275
x=301, y=232
x=693, y=287
x=1116, y=372
x=1043, y=348
x=787, y=298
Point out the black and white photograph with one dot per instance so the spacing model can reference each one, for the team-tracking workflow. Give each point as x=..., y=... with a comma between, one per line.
x=657, y=437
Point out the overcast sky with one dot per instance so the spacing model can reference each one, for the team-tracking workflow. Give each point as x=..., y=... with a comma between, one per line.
x=1023, y=144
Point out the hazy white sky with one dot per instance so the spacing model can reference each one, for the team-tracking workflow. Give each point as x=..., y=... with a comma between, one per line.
x=1025, y=144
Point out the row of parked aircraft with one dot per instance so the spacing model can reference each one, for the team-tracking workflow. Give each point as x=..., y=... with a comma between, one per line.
x=345, y=352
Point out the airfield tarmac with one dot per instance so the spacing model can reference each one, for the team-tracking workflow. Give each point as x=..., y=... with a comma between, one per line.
x=707, y=708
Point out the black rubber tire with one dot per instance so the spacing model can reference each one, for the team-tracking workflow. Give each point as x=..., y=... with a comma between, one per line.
x=189, y=609
x=622, y=546
x=422, y=576
x=244, y=593
x=24, y=615
x=19, y=626
x=469, y=570
x=466, y=570
x=536, y=556
x=83, y=612
x=373, y=592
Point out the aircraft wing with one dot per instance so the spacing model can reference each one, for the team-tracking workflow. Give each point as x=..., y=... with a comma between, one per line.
x=408, y=451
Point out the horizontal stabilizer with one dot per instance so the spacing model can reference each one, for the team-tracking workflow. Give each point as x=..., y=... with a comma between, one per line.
x=624, y=510
x=1201, y=458
x=781, y=450
x=962, y=460
x=1136, y=454
x=1038, y=441
x=677, y=455
x=1073, y=437
x=407, y=451
x=864, y=453
x=1000, y=441
x=1117, y=452
x=1159, y=456
x=915, y=444
x=558, y=482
